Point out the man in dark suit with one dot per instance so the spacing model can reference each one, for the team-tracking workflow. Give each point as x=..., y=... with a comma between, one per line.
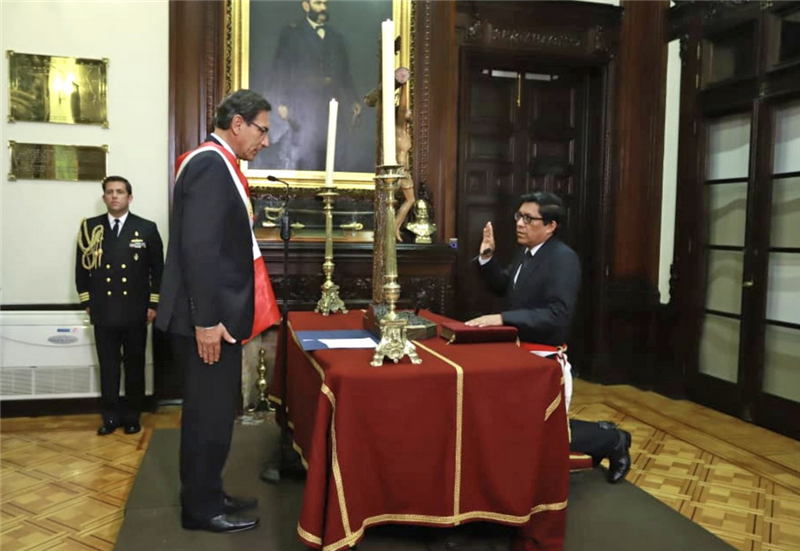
x=208, y=303
x=541, y=286
x=312, y=67
x=118, y=266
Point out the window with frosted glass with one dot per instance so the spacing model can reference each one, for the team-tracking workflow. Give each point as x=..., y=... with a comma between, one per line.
x=728, y=152
x=719, y=348
x=785, y=223
x=782, y=362
x=727, y=211
x=787, y=139
x=724, y=281
x=783, y=288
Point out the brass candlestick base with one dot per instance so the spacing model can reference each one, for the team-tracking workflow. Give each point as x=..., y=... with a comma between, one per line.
x=261, y=383
x=329, y=302
x=394, y=343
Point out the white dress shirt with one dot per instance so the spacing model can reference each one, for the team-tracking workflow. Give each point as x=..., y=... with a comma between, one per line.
x=120, y=218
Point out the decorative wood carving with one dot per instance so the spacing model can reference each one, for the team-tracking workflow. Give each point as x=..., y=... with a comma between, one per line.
x=422, y=95
x=487, y=34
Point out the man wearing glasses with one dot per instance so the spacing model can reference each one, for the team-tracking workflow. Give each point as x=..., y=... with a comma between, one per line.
x=215, y=294
x=541, y=287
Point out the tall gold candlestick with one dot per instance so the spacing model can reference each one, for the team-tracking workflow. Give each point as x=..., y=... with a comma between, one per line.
x=394, y=343
x=329, y=302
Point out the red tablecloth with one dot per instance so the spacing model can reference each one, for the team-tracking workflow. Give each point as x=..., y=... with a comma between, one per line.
x=474, y=432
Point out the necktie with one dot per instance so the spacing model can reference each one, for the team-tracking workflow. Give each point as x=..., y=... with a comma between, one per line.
x=527, y=260
x=115, y=229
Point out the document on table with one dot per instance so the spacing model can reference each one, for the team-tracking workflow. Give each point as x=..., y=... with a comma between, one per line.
x=338, y=339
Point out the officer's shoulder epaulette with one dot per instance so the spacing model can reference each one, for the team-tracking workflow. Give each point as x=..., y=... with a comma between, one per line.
x=94, y=220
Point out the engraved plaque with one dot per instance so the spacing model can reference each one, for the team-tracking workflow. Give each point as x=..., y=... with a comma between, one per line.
x=65, y=90
x=71, y=163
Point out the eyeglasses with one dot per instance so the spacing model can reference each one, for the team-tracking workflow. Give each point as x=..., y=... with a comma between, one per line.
x=263, y=129
x=526, y=218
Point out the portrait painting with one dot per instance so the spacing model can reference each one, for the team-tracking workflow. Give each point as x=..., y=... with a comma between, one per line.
x=300, y=55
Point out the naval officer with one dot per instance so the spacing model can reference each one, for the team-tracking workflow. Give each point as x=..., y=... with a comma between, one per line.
x=118, y=270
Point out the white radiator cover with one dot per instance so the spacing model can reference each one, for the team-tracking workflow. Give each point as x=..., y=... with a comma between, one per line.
x=51, y=354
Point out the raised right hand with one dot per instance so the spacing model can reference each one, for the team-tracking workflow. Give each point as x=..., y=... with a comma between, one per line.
x=488, y=241
x=283, y=111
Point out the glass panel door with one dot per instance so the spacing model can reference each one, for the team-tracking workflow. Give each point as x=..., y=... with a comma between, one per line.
x=726, y=195
x=782, y=330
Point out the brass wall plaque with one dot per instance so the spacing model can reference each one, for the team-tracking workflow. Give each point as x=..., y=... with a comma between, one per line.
x=65, y=90
x=71, y=163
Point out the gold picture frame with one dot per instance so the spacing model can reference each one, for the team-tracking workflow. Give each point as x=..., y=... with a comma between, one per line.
x=238, y=28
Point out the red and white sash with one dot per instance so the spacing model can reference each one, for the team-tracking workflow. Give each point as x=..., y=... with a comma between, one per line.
x=266, y=311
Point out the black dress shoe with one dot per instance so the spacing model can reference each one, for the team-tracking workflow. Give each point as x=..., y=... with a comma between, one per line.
x=132, y=428
x=107, y=428
x=619, y=461
x=237, y=504
x=221, y=523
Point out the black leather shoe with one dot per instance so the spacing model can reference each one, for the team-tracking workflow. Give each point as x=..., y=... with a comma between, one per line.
x=619, y=461
x=221, y=523
x=237, y=504
x=132, y=428
x=107, y=428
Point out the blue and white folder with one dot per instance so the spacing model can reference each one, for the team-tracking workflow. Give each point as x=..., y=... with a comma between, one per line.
x=343, y=339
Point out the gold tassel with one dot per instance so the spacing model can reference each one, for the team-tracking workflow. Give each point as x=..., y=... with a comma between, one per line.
x=91, y=246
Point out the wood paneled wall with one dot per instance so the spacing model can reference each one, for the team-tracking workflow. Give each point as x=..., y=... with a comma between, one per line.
x=627, y=339
x=628, y=43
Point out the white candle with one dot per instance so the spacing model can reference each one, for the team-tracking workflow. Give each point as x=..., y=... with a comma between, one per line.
x=387, y=85
x=331, y=153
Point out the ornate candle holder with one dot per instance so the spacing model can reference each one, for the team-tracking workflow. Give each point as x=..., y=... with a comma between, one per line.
x=261, y=383
x=329, y=302
x=394, y=343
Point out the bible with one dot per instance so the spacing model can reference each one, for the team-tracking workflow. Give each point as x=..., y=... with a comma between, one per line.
x=456, y=332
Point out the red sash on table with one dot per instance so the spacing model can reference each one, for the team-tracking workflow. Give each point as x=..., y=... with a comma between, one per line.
x=266, y=311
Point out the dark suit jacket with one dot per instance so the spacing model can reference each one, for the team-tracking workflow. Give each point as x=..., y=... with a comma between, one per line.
x=208, y=276
x=309, y=71
x=542, y=302
x=126, y=283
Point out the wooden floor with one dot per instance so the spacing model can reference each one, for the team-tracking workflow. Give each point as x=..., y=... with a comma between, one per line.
x=62, y=488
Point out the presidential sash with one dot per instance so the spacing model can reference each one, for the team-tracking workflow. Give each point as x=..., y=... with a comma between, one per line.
x=266, y=311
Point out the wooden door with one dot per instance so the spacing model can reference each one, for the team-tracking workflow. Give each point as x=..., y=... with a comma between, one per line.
x=523, y=127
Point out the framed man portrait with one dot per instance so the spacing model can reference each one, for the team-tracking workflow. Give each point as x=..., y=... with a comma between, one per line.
x=300, y=55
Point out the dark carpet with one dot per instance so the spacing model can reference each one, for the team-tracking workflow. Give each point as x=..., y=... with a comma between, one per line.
x=600, y=516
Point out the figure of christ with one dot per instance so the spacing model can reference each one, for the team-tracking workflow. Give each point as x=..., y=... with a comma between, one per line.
x=403, y=144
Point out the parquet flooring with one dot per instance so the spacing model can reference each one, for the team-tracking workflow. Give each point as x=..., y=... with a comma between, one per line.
x=63, y=488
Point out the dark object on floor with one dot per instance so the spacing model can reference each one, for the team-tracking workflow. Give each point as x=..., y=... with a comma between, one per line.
x=221, y=523
x=132, y=428
x=107, y=428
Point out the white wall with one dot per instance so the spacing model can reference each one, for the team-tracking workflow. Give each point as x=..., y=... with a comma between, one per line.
x=670, y=174
x=40, y=218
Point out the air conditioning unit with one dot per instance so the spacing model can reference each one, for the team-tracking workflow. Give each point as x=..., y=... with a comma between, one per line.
x=51, y=354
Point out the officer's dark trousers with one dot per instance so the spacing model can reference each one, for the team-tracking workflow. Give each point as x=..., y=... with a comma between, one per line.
x=126, y=345
x=592, y=439
x=210, y=394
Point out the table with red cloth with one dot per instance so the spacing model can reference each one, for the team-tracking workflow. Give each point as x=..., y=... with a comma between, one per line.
x=474, y=432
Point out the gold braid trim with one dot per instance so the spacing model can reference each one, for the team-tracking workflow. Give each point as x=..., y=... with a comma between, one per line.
x=454, y=520
x=552, y=407
x=308, y=536
x=459, y=423
x=91, y=246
